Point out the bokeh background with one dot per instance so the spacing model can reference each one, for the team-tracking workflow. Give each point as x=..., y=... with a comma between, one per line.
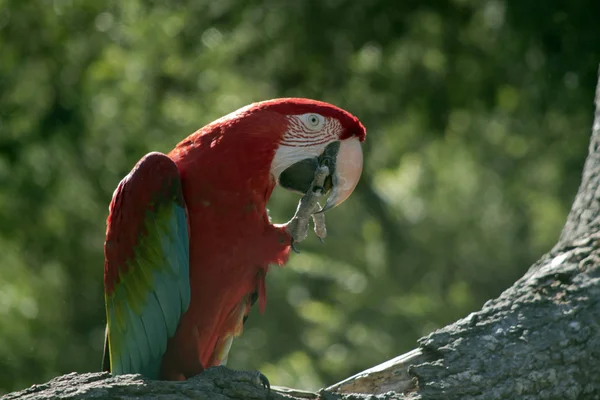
x=478, y=115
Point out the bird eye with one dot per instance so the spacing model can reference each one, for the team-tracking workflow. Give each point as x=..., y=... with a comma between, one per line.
x=312, y=121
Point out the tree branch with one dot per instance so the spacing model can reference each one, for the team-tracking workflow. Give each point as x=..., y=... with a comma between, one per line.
x=584, y=217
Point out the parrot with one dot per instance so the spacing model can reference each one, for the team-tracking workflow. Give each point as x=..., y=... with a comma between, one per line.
x=189, y=239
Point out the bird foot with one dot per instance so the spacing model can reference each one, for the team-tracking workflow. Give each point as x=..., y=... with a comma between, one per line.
x=308, y=208
x=221, y=374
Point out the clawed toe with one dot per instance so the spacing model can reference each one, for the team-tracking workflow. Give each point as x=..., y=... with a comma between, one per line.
x=227, y=374
x=293, y=245
x=264, y=382
x=308, y=208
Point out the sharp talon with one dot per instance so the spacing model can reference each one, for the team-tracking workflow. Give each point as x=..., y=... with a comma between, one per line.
x=294, y=247
x=321, y=240
x=265, y=383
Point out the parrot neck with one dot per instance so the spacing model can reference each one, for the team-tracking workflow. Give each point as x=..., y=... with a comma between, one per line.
x=227, y=180
x=231, y=191
x=229, y=160
x=225, y=169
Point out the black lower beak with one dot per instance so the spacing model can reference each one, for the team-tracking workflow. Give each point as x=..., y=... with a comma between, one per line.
x=299, y=176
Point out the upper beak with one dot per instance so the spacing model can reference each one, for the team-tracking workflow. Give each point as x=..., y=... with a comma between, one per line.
x=346, y=172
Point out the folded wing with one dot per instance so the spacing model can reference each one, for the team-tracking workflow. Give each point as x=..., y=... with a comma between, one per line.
x=146, y=271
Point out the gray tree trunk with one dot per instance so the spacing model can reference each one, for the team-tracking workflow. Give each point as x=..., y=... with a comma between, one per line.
x=539, y=340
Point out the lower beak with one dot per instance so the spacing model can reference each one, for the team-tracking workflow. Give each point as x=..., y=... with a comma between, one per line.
x=345, y=161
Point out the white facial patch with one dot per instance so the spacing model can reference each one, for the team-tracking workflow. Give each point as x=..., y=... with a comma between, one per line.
x=286, y=156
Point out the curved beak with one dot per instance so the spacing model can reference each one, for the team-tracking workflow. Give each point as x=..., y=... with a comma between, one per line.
x=346, y=173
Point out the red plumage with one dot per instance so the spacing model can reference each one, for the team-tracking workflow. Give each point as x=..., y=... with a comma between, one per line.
x=226, y=185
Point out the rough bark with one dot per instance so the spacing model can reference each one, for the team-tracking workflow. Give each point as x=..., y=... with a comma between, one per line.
x=539, y=340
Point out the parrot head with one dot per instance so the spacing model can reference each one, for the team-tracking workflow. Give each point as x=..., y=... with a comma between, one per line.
x=279, y=141
x=316, y=133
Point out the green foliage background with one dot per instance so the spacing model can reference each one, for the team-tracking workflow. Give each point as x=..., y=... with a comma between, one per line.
x=478, y=116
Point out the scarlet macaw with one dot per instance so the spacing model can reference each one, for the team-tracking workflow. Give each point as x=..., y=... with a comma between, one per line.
x=189, y=240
